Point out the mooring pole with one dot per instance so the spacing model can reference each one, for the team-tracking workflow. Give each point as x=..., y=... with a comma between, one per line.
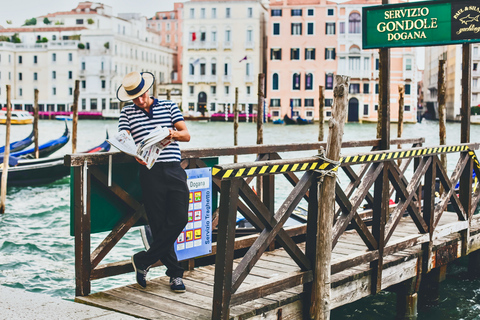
x=441, y=109
x=76, y=92
x=169, y=94
x=155, y=89
x=6, y=154
x=35, y=122
x=401, y=90
x=320, y=309
x=261, y=97
x=235, y=124
x=321, y=107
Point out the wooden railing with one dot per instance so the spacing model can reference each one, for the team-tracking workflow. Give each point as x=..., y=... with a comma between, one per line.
x=86, y=168
x=378, y=170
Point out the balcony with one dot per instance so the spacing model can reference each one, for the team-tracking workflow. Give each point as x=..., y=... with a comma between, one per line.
x=227, y=78
x=356, y=74
x=249, y=45
x=227, y=45
x=201, y=78
x=408, y=74
x=202, y=45
x=249, y=78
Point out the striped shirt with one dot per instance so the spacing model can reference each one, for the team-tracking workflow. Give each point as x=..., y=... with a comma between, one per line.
x=140, y=123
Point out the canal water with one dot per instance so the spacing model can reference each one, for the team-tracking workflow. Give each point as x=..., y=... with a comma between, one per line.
x=37, y=252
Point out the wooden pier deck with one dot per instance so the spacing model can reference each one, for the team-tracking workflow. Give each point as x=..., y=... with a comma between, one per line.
x=158, y=302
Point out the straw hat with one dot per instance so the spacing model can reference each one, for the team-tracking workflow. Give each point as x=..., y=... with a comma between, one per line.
x=134, y=85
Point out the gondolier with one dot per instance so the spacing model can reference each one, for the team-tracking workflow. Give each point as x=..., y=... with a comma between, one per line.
x=164, y=186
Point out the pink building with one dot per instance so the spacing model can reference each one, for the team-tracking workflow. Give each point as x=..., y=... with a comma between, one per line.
x=310, y=41
x=168, y=24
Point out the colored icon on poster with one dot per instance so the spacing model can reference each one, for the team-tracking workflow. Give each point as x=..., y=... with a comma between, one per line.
x=198, y=234
x=198, y=215
x=189, y=235
x=198, y=196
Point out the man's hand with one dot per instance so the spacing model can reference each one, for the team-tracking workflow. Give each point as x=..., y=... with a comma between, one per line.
x=140, y=161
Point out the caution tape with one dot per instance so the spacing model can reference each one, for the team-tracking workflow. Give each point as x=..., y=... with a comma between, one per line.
x=326, y=164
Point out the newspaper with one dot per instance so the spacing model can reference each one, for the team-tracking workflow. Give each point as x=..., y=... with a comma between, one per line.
x=147, y=150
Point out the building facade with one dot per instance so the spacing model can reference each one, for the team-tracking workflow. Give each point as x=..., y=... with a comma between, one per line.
x=310, y=41
x=87, y=44
x=168, y=25
x=223, y=49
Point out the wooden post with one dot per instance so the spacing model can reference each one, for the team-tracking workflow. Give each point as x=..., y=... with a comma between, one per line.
x=76, y=92
x=235, y=124
x=155, y=89
x=384, y=99
x=430, y=286
x=261, y=97
x=407, y=299
x=441, y=110
x=6, y=154
x=169, y=94
x=320, y=309
x=122, y=104
x=321, y=107
x=35, y=122
x=401, y=91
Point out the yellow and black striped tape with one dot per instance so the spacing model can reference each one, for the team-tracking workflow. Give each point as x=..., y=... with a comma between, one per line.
x=321, y=164
x=474, y=158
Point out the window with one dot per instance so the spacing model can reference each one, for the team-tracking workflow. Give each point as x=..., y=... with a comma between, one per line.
x=54, y=91
x=275, y=54
x=276, y=29
x=93, y=104
x=296, y=81
x=296, y=12
x=310, y=28
x=294, y=54
x=329, y=53
x=296, y=103
x=377, y=64
x=70, y=91
x=310, y=12
x=104, y=84
x=366, y=88
x=213, y=90
x=192, y=13
x=365, y=109
x=84, y=84
x=202, y=69
x=227, y=90
x=328, y=102
x=227, y=12
x=330, y=28
x=328, y=113
x=308, y=82
x=366, y=63
x=330, y=12
x=54, y=74
x=84, y=104
x=79, y=21
x=249, y=90
x=20, y=76
x=104, y=104
x=225, y=69
x=203, y=36
x=354, y=88
x=20, y=91
x=341, y=27
x=296, y=29
x=309, y=53
x=249, y=12
x=475, y=66
x=83, y=65
x=276, y=12
x=376, y=107
x=407, y=89
x=35, y=76
x=408, y=64
x=353, y=63
x=354, y=23
x=19, y=59
x=249, y=35
x=214, y=13
x=329, y=81
x=54, y=57
x=191, y=89
x=309, y=102
x=35, y=59
x=54, y=37
x=214, y=69
x=274, y=102
x=202, y=14
x=191, y=69
x=227, y=35
x=275, y=81
x=214, y=36
x=407, y=108
x=376, y=88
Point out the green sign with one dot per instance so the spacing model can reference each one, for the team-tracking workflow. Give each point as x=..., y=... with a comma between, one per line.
x=427, y=23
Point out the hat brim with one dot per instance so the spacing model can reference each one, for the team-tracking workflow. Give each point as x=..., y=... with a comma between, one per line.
x=122, y=94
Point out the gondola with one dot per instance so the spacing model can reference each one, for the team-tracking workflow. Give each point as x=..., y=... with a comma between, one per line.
x=19, y=145
x=30, y=172
x=288, y=120
x=303, y=121
x=45, y=149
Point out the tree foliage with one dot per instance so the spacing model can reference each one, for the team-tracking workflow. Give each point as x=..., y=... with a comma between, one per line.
x=30, y=22
x=46, y=21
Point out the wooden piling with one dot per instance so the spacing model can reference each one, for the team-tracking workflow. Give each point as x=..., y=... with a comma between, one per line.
x=429, y=294
x=155, y=89
x=320, y=309
x=407, y=299
x=6, y=154
x=169, y=94
x=235, y=124
x=442, y=109
x=35, y=122
x=76, y=92
x=401, y=91
x=321, y=107
x=261, y=98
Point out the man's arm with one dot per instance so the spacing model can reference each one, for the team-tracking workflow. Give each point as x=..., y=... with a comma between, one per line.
x=181, y=133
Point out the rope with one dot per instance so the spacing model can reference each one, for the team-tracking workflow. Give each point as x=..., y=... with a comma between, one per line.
x=332, y=172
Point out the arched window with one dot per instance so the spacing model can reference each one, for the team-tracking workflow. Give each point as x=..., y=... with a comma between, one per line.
x=308, y=81
x=191, y=69
x=275, y=81
x=296, y=81
x=354, y=23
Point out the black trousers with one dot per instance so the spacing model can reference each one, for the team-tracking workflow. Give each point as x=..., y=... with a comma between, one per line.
x=165, y=197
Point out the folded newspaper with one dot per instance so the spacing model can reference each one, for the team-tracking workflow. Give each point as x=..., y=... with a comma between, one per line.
x=148, y=149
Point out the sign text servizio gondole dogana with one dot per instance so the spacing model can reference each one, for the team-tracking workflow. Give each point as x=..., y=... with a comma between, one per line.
x=427, y=23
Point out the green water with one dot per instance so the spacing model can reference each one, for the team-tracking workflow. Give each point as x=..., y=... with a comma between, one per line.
x=37, y=252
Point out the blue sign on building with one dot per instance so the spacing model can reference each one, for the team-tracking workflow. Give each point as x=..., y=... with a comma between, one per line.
x=196, y=238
